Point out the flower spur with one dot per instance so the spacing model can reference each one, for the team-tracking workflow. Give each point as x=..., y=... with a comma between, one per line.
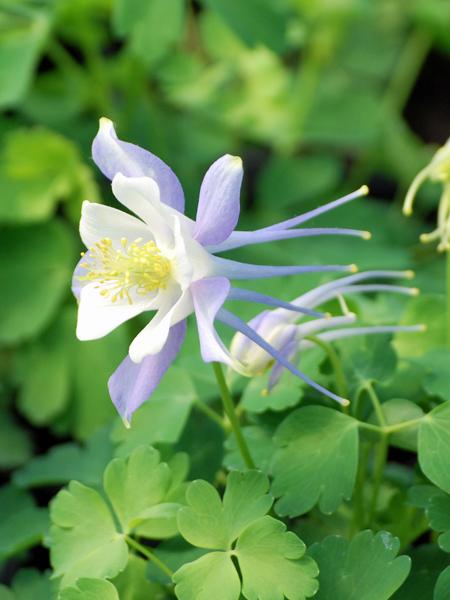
x=160, y=260
x=288, y=333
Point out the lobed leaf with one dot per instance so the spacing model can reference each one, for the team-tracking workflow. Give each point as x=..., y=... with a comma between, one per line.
x=315, y=461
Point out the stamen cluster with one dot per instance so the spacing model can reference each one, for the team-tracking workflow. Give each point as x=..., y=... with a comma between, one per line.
x=133, y=265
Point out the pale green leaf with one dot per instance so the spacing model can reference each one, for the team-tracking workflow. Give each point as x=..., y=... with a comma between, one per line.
x=273, y=564
x=135, y=485
x=90, y=589
x=83, y=539
x=211, y=576
x=207, y=522
x=367, y=567
x=315, y=462
x=15, y=443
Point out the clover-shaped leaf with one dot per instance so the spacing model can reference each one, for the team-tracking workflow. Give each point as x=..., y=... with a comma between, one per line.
x=434, y=446
x=367, y=567
x=316, y=460
x=271, y=561
x=442, y=587
x=144, y=493
x=90, y=589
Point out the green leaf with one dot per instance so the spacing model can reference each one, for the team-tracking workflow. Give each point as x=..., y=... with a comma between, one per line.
x=22, y=524
x=255, y=21
x=5, y=593
x=442, y=588
x=434, y=446
x=68, y=461
x=136, y=486
x=207, y=522
x=427, y=563
x=272, y=563
x=438, y=513
x=315, y=462
x=43, y=263
x=269, y=558
x=133, y=584
x=90, y=589
x=427, y=309
x=40, y=168
x=436, y=381
x=256, y=398
x=154, y=26
x=366, y=567
x=290, y=180
x=83, y=539
x=144, y=494
x=21, y=40
x=162, y=418
x=368, y=359
x=15, y=443
x=261, y=446
x=30, y=584
x=211, y=576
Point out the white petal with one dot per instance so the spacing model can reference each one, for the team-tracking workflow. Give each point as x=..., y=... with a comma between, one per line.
x=99, y=221
x=174, y=307
x=98, y=316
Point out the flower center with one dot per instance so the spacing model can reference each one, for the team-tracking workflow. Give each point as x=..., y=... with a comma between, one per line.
x=133, y=265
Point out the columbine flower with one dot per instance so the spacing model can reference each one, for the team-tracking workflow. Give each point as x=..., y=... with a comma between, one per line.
x=284, y=330
x=160, y=260
x=438, y=170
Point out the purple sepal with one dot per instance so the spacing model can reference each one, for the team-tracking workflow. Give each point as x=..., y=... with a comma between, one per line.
x=113, y=156
x=218, y=205
x=237, y=324
x=131, y=384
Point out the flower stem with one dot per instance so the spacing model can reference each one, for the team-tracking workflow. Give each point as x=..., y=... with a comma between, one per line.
x=229, y=410
x=448, y=296
x=380, y=463
x=333, y=357
x=149, y=555
x=210, y=413
x=376, y=404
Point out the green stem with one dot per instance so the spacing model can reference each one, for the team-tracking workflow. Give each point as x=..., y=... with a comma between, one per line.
x=358, y=521
x=229, y=409
x=407, y=70
x=448, y=296
x=404, y=425
x=210, y=413
x=333, y=357
x=149, y=555
x=380, y=463
x=376, y=404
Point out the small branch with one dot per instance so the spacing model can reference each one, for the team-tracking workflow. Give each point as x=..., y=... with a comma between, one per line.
x=149, y=555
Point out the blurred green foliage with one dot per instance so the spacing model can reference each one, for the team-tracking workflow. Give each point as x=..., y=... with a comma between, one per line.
x=311, y=93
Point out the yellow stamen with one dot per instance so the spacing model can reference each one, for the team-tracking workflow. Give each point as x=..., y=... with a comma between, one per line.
x=133, y=266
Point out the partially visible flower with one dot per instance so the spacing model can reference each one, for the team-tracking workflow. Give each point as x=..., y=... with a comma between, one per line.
x=439, y=171
x=162, y=261
x=288, y=332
